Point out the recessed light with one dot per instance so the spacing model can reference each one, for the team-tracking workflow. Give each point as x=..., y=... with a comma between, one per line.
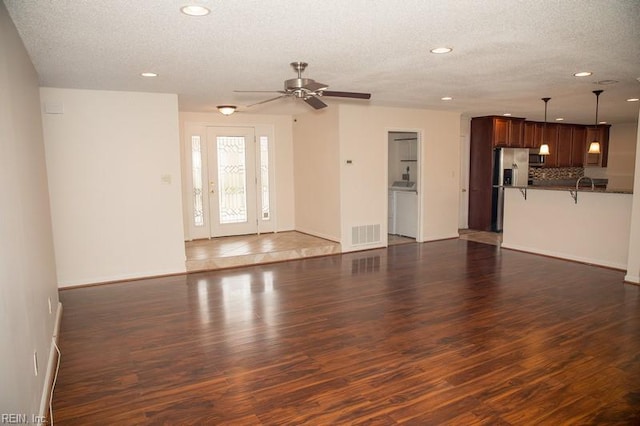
x=439, y=50
x=633, y=100
x=559, y=119
x=195, y=10
x=507, y=114
x=149, y=74
x=582, y=74
x=446, y=98
x=606, y=82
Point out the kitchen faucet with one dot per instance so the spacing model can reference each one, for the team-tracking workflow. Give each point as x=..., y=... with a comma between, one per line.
x=582, y=177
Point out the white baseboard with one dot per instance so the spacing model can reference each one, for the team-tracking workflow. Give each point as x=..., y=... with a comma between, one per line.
x=635, y=279
x=319, y=235
x=121, y=277
x=560, y=255
x=51, y=365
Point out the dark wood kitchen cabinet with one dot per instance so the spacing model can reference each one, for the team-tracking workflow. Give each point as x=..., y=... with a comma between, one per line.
x=480, y=171
x=578, y=138
x=507, y=131
x=532, y=134
x=564, y=144
x=550, y=137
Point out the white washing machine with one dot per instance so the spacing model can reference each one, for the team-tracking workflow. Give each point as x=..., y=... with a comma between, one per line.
x=403, y=209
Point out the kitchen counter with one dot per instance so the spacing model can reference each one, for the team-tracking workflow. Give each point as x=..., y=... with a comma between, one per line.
x=581, y=188
x=586, y=226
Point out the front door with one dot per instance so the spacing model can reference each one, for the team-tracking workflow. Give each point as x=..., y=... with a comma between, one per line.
x=231, y=155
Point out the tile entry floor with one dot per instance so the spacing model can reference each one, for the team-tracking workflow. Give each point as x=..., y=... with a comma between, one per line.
x=493, y=238
x=229, y=252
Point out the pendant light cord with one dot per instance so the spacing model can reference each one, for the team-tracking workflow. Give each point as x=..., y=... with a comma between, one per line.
x=597, y=93
x=546, y=101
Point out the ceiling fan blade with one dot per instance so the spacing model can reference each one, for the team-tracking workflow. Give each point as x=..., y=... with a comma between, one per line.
x=355, y=95
x=315, y=86
x=268, y=100
x=315, y=102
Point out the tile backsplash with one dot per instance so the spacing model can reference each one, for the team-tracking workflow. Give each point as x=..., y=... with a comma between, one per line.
x=555, y=173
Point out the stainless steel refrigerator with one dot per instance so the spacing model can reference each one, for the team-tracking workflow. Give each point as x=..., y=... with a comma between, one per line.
x=510, y=168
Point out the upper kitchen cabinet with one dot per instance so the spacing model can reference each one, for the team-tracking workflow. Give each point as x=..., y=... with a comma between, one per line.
x=564, y=144
x=550, y=137
x=532, y=134
x=598, y=133
x=578, y=138
x=507, y=131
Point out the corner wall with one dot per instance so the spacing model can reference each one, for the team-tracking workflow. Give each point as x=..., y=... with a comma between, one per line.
x=317, y=173
x=622, y=154
x=363, y=186
x=633, y=262
x=113, y=161
x=27, y=264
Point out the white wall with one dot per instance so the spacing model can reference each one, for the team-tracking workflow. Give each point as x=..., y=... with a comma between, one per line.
x=593, y=230
x=633, y=261
x=317, y=173
x=113, y=161
x=363, y=186
x=283, y=161
x=622, y=154
x=27, y=264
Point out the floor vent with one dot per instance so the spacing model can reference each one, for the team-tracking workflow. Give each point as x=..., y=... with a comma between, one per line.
x=365, y=234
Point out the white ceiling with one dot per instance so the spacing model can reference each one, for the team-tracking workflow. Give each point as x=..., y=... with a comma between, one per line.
x=507, y=53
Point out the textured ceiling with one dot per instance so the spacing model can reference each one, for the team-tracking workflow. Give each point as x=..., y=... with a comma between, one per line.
x=507, y=53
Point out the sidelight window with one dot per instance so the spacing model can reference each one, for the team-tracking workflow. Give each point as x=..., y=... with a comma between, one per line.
x=196, y=170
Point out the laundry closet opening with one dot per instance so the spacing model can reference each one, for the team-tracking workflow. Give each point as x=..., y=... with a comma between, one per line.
x=403, y=178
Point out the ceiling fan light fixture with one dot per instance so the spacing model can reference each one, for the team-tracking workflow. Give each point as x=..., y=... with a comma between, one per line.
x=441, y=50
x=226, y=109
x=194, y=10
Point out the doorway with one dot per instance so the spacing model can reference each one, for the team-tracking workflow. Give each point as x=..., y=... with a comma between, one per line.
x=403, y=179
x=232, y=185
x=229, y=187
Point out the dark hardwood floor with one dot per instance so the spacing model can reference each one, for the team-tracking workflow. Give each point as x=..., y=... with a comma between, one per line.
x=450, y=332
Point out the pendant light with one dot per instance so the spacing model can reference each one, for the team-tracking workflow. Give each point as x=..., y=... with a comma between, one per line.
x=594, y=146
x=544, y=148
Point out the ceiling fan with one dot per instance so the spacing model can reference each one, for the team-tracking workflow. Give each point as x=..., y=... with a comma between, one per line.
x=306, y=89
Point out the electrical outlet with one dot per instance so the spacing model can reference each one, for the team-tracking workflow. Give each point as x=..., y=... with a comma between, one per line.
x=35, y=362
x=50, y=310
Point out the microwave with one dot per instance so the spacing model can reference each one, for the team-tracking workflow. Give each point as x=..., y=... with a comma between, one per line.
x=535, y=159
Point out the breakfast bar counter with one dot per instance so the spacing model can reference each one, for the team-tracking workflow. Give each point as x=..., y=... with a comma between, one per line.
x=583, y=225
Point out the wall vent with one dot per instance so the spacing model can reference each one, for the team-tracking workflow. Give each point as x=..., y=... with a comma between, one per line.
x=365, y=234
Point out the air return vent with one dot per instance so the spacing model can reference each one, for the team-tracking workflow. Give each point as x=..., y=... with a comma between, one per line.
x=365, y=234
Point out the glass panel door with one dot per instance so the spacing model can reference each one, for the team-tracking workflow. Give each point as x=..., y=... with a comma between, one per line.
x=232, y=181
